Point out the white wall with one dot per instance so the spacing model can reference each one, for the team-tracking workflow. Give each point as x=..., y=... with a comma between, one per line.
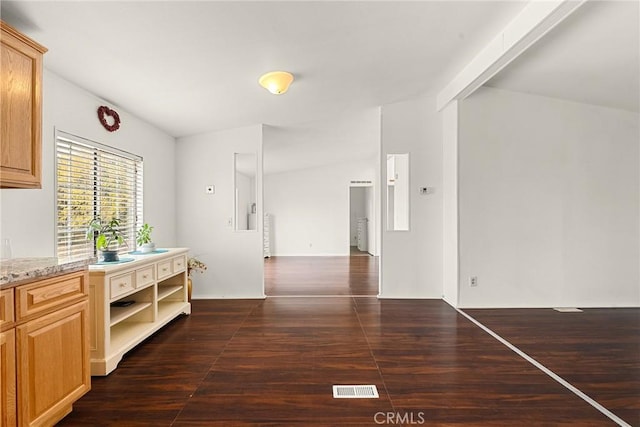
x=373, y=217
x=28, y=216
x=450, y=203
x=411, y=261
x=234, y=258
x=549, y=202
x=310, y=207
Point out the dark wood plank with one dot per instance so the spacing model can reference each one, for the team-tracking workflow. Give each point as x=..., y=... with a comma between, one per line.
x=153, y=382
x=433, y=359
x=311, y=344
x=273, y=362
x=321, y=275
x=597, y=351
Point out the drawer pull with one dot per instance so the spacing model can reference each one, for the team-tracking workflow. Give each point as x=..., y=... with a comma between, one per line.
x=144, y=276
x=122, y=285
x=164, y=269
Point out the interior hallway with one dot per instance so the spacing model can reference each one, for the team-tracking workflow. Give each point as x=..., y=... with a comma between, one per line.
x=354, y=251
x=321, y=276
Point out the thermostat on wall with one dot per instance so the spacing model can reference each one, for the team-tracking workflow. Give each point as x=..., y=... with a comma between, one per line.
x=427, y=190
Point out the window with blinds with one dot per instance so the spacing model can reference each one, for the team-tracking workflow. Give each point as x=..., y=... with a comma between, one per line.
x=94, y=181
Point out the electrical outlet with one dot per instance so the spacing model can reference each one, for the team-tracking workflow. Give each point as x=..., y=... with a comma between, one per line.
x=210, y=189
x=473, y=281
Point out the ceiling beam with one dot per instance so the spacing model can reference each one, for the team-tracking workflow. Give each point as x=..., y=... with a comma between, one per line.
x=534, y=21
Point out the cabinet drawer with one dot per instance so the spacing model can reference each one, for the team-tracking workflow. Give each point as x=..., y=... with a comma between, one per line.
x=50, y=293
x=121, y=284
x=164, y=269
x=6, y=307
x=179, y=264
x=144, y=276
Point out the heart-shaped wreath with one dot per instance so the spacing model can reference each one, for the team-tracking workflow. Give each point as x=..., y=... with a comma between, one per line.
x=103, y=113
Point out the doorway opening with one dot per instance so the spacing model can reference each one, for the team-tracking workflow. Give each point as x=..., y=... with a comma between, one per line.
x=353, y=272
x=361, y=221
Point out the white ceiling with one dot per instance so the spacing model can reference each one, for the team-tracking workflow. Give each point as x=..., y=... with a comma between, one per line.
x=192, y=67
x=351, y=137
x=592, y=57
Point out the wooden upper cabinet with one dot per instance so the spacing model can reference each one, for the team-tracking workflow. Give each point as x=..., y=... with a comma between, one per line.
x=20, y=110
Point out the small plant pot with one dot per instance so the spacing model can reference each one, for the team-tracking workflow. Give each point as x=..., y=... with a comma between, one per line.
x=147, y=248
x=110, y=256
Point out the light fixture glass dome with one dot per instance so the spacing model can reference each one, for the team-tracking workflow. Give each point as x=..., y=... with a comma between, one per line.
x=276, y=82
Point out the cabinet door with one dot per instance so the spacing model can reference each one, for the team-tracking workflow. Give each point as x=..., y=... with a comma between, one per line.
x=6, y=309
x=8, y=378
x=20, y=110
x=53, y=358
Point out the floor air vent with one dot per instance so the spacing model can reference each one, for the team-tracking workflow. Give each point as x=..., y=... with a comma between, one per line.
x=355, y=392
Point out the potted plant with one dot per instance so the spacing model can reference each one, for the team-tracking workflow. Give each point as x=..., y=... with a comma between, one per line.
x=108, y=237
x=193, y=264
x=143, y=239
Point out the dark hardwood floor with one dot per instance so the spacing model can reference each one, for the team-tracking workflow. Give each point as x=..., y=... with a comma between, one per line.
x=354, y=251
x=273, y=362
x=597, y=351
x=321, y=275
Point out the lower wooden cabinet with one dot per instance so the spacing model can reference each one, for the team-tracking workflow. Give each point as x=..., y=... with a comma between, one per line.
x=8, y=378
x=52, y=371
x=44, y=362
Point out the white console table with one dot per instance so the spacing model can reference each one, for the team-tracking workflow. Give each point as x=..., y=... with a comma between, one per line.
x=155, y=288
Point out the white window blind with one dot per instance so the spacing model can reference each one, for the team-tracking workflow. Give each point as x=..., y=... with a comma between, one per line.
x=93, y=181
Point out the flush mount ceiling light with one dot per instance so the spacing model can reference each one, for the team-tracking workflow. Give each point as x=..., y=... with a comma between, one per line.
x=276, y=82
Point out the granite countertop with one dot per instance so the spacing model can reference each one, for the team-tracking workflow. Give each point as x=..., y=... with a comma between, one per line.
x=21, y=270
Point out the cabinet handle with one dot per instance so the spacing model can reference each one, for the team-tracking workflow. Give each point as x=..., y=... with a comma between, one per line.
x=122, y=285
x=164, y=269
x=144, y=276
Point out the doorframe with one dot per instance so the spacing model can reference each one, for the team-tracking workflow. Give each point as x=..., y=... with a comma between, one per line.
x=374, y=196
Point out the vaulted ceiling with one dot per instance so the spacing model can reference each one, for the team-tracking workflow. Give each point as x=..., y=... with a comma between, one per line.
x=190, y=67
x=592, y=57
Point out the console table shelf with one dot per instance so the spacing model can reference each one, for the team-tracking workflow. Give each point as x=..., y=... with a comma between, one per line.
x=119, y=314
x=165, y=291
x=151, y=291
